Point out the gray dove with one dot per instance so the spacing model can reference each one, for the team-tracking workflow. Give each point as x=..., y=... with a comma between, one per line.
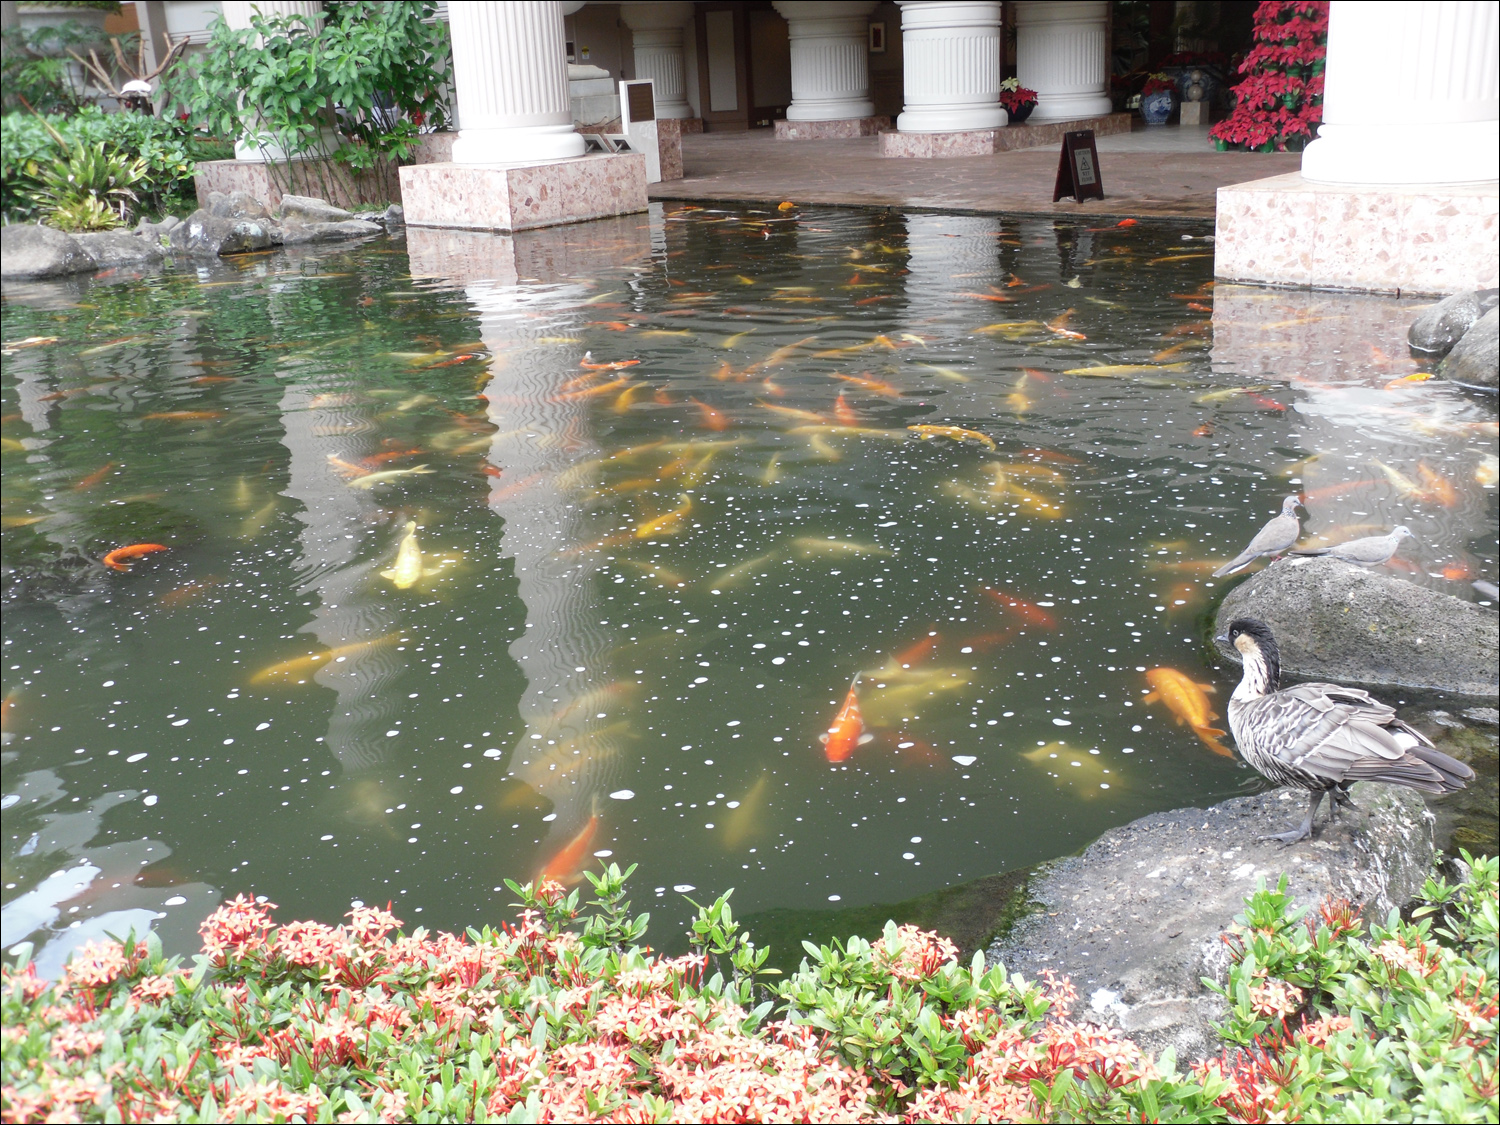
x=1372, y=550
x=1279, y=534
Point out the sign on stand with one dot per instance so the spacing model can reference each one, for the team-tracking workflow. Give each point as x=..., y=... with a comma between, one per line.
x=638, y=120
x=1078, y=168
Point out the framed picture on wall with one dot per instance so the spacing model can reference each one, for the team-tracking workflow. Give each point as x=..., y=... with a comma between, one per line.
x=877, y=37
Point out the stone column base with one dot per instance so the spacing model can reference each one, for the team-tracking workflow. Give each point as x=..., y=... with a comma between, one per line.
x=1419, y=239
x=983, y=142
x=512, y=197
x=831, y=130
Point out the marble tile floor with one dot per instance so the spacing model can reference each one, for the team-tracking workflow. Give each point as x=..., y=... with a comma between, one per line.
x=1165, y=171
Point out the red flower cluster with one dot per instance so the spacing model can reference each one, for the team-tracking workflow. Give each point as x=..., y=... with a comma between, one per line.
x=1280, y=103
x=1017, y=99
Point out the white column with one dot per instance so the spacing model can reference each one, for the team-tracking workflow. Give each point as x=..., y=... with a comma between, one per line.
x=1062, y=52
x=951, y=65
x=830, y=59
x=510, y=77
x=237, y=15
x=1411, y=94
x=657, y=29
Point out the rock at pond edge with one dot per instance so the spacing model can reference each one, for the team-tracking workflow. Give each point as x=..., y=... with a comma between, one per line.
x=29, y=251
x=1341, y=622
x=1475, y=359
x=1135, y=922
x=1442, y=325
x=205, y=235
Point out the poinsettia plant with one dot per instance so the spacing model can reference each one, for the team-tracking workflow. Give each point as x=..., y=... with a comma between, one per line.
x=1014, y=96
x=1279, y=105
x=1157, y=83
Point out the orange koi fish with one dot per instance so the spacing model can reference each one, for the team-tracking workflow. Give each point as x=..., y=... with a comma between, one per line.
x=186, y=415
x=726, y=373
x=515, y=489
x=848, y=729
x=872, y=300
x=998, y=298
x=874, y=386
x=1188, y=703
x=209, y=380
x=117, y=559
x=915, y=654
x=93, y=478
x=462, y=357
x=592, y=392
x=843, y=412
x=1438, y=488
x=612, y=325
x=1031, y=614
x=792, y=412
x=713, y=419
x=1205, y=430
x=378, y=459
x=566, y=866
x=1127, y=223
x=620, y=364
x=1408, y=380
x=1058, y=326
x=1037, y=454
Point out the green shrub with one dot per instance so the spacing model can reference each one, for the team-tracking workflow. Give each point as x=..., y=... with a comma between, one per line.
x=169, y=149
x=550, y=1020
x=90, y=190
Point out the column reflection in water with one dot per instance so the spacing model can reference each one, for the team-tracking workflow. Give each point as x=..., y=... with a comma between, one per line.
x=528, y=293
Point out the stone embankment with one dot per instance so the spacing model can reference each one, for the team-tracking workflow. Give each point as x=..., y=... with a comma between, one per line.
x=231, y=224
x=1137, y=920
x=1464, y=332
x=1340, y=622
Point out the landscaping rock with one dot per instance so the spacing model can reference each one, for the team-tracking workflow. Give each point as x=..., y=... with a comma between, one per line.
x=204, y=235
x=1436, y=331
x=303, y=210
x=236, y=205
x=1475, y=359
x=328, y=232
x=28, y=251
x=168, y=222
x=120, y=248
x=395, y=216
x=1340, y=622
x=1135, y=921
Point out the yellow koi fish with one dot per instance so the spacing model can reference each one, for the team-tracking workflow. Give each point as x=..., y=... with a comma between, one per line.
x=956, y=433
x=668, y=523
x=298, y=668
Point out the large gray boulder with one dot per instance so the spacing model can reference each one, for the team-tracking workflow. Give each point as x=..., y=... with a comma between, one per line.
x=202, y=235
x=292, y=234
x=120, y=248
x=28, y=251
x=1436, y=331
x=304, y=210
x=1136, y=921
x=1340, y=622
x=236, y=205
x=1475, y=359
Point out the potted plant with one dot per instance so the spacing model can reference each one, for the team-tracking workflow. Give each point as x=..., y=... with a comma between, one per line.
x=1158, y=97
x=1017, y=100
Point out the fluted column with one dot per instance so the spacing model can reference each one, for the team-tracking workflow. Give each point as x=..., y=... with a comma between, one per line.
x=237, y=15
x=1062, y=52
x=830, y=59
x=657, y=29
x=952, y=66
x=1411, y=96
x=510, y=74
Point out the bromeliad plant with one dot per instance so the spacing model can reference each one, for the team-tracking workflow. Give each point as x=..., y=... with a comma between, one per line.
x=548, y=1019
x=91, y=189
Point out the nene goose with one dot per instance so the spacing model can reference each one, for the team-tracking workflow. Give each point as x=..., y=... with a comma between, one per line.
x=1322, y=737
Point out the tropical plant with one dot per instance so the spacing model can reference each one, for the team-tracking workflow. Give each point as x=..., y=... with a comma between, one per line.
x=1014, y=96
x=1279, y=105
x=92, y=189
x=359, y=89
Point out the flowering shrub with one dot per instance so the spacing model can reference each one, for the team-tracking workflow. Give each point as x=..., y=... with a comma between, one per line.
x=1279, y=105
x=563, y=1016
x=1157, y=83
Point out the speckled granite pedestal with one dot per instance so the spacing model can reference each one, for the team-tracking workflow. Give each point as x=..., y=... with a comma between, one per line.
x=830, y=130
x=984, y=142
x=512, y=197
x=1429, y=239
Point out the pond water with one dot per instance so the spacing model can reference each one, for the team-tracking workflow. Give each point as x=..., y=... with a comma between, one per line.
x=489, y=556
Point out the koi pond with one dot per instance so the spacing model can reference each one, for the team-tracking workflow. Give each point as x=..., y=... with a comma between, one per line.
x=457, y=558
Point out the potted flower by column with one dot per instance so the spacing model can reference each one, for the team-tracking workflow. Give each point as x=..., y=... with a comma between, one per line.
x=1017, y=100
x=1158, y=97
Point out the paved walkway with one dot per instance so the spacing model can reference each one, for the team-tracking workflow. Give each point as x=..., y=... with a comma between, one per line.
x=1166, y=172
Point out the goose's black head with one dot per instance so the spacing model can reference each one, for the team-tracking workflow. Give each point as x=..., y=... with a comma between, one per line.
x=1257, y=646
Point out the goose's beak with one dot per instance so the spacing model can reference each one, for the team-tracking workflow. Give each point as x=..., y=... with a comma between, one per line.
x=1222, y=639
